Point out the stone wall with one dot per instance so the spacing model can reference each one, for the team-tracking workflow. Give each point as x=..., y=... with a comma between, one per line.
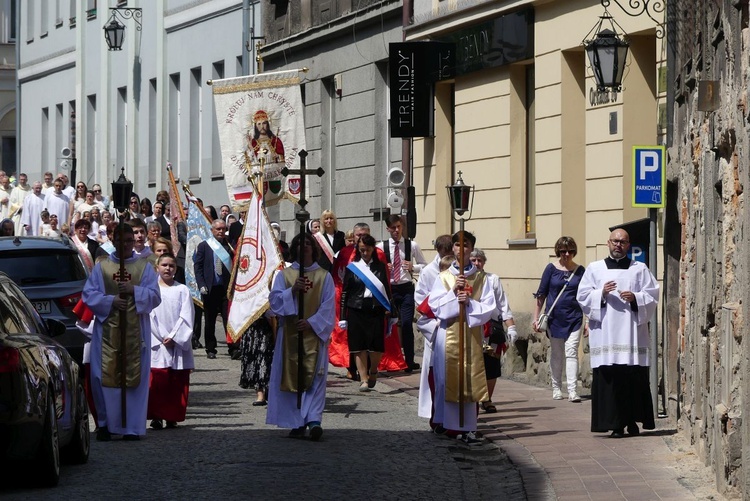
x=706, y=279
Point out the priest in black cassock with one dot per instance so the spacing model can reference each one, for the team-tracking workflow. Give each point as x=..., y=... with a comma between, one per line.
x=619, y=296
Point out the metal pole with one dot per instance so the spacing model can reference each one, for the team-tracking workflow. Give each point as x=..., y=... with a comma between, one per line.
x=123, y=333
x=653, y=328
x=461, y=333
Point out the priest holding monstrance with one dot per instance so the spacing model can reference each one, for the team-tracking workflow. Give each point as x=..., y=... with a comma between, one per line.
x=121, y=291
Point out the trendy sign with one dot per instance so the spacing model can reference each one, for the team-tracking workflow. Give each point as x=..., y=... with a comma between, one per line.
x=414, y=67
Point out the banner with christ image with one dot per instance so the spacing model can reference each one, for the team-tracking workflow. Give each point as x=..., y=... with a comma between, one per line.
x=260, y=119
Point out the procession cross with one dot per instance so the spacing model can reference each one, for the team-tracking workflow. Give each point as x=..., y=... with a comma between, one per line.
x=302, y=216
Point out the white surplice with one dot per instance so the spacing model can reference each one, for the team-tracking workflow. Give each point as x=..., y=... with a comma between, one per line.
x=107, y=400
x=428, y=328
x=58, y=205
x=282, y=405
x=33, y=206
x=446, y=308
x=617, y=334
x=173, y=319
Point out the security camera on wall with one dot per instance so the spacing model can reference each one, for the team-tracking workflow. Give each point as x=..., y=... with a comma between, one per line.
x=66, y=152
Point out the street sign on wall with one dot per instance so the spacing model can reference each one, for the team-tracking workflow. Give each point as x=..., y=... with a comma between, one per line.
x=649, y=176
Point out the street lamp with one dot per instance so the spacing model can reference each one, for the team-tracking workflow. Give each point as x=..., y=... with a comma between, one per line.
x=114, y=30
x=607, y=53
x=462, y=201
x=122, y=190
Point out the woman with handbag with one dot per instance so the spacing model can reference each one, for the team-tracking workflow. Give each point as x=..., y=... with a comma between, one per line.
x=563, y=318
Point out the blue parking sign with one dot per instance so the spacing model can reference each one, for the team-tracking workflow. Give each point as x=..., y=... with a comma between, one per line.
x=649, y=176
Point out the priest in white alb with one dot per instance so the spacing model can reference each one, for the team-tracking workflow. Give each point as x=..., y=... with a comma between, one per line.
x=33, y=205
x=58, y=203
x=315, y=328
x=17, y=196
x=109, y=293
x=619, y=296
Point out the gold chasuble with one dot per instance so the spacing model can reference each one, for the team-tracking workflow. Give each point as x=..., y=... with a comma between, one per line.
x=111, y=328
x=310, y=341
x=475, y=382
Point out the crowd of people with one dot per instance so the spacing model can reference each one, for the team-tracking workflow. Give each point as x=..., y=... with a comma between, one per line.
x=360, y=301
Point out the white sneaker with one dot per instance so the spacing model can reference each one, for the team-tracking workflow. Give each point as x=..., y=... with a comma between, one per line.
x=573, y=397
x=557, y=394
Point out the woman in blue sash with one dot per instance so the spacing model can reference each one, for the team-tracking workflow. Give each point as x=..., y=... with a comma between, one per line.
x=365, y=303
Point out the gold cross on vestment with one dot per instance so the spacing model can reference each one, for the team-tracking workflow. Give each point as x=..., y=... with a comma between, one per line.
x=125, y=277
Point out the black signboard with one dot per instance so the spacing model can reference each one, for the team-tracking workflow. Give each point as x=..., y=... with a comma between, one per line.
x=414, y=67
x=503, y=40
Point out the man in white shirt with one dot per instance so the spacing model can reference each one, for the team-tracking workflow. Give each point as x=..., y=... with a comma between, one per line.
x=17, y=195
x=33, y=205
x=405, y=258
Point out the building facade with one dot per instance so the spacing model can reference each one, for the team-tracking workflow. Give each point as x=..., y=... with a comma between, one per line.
x=344, y=46
x=8, y=86
x=706, y=236
x=137, y=108
x=547, y=153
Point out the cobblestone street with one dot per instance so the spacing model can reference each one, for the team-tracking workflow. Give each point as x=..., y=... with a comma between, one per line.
x=374, y=447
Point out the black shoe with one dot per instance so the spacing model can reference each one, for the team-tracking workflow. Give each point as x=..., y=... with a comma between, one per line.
x=156, y=424
x=171, y=424
x=103, y=435
x=260, y=403
x=316, y=431
x=131, y=438
x=617, y=434
x=235, y=355
x=297, y=432
x=197, y=344
x=210, y=355
x=633, y=429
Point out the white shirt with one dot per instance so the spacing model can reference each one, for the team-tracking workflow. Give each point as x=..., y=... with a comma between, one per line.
x=417, y=259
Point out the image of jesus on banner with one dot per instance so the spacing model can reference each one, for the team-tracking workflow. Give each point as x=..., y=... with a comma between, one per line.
x=263, y=138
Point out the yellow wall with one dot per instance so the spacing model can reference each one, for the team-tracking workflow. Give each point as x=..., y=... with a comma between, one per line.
x=582, y=173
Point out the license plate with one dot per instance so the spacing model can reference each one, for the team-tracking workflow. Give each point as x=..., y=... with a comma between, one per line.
x=42, y=307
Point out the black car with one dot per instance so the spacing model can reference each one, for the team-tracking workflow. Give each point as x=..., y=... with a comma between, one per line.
x=43, y=408
x=52, y=275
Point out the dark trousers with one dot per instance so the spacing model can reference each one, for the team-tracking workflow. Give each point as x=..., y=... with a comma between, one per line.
x=214, y=303
x=403, y=300
x=197, y=324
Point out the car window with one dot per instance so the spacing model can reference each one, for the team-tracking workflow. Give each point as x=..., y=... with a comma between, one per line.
x=10, y=317
x=30, y=319
x=42, y=266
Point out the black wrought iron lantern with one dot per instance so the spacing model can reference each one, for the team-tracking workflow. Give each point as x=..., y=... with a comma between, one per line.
x=607, y=53
x=122, y=189
x=114, y=34
x=460, y=195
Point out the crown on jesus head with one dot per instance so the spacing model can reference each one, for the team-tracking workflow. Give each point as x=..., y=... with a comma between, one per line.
x=260, y=116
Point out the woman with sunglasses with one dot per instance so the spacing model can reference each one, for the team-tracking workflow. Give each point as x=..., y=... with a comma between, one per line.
x=75, y=202
x=559, y=286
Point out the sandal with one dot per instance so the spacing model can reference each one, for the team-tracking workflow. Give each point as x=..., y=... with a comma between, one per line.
x=489, y=407
x=364, y=387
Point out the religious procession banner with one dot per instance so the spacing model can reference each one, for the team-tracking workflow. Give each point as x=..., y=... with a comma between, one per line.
x=257, y=259
x=198, y=230
x=260, y=119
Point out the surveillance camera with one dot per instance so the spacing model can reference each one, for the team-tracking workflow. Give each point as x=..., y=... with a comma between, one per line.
x=395, y=199
x=66, y=152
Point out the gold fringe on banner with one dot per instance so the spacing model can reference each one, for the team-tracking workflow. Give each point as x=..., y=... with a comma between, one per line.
x=284, y=82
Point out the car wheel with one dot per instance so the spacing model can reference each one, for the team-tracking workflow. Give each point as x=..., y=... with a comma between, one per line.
x=77, y=451
x=48, y=455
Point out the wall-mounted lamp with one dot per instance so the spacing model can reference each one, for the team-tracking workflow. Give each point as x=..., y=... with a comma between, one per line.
x=607, y=52
x=114, y=30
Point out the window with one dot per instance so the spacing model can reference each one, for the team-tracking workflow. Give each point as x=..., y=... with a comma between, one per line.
x=530, y=153
x=174, y=123
x=30, y=20
x=195, y=122
x=12, y=22
x=45, y=136
x=216, y=168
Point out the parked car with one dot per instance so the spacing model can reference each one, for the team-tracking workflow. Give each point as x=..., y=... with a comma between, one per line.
x=43, y=408
x=52, y=275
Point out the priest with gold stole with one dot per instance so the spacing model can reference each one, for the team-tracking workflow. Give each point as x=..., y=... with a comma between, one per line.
x=455, y=286
x=316, y=327
x=108, y=292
